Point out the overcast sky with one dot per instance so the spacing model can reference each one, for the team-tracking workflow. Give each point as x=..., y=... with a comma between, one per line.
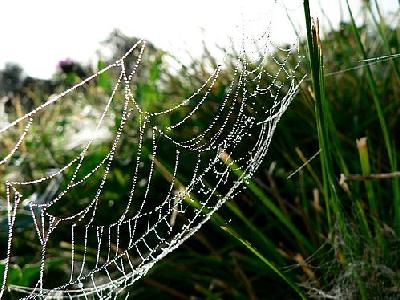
x=38, y=33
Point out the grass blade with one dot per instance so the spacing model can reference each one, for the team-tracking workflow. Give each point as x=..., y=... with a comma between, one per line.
x=266, y=262
x=381, y=116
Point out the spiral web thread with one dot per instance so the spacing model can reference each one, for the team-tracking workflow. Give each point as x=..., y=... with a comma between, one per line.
x=125, y=250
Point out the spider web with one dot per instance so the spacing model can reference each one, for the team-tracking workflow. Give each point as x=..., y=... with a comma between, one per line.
x=105, y=256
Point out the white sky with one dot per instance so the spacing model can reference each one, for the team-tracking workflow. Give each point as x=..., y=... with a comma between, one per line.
x=38, y=33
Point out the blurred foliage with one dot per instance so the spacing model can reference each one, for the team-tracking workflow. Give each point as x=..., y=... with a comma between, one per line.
x=284, y=219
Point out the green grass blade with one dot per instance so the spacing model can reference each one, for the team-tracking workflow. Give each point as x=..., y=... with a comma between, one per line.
x=383, y=33
x=381, y=116
x=323, y=121
x=269, y=204
x=216, y=219
x=266, y=262
x=366, y=170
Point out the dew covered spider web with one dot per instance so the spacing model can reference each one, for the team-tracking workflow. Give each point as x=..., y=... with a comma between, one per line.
x=179, y=172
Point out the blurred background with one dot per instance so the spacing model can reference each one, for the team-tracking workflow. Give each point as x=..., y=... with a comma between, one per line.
x=47, y=47
x=38, y=34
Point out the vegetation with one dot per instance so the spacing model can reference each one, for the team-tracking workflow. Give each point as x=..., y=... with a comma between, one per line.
x=330, y=230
